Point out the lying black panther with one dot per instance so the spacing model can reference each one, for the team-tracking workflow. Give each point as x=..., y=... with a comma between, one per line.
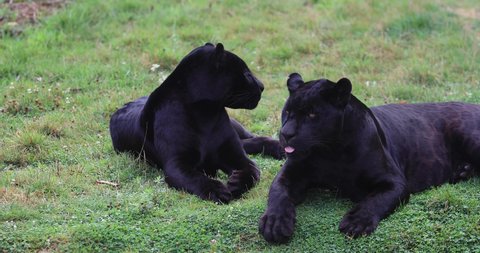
x=376, y=157
x=183, y=126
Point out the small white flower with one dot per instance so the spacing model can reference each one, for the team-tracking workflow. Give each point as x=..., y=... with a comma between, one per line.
x=29, y=91
x=154, y=67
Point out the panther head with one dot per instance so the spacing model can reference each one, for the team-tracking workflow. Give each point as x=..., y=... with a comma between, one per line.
x=313, y=115
x=210, y=73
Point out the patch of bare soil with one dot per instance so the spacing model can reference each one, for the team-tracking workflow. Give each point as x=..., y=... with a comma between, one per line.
x=469, y=16
x=467, y=13
x=14, y=15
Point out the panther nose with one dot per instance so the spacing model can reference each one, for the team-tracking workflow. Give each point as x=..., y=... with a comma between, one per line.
x=251, y=77
x=287, y=135
x=260, y=85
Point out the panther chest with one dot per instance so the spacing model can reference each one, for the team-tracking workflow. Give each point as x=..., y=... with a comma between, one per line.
x=336, y=175
x=208, y=148
x=211, y=146
x=210, y=156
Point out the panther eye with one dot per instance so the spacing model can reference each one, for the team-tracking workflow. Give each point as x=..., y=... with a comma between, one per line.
x=312, y=115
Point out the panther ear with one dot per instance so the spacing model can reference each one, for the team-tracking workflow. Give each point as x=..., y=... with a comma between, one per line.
x=294, y=82
x=219, y=49
x=343, y=90
x=219, y=55
x=209, y=44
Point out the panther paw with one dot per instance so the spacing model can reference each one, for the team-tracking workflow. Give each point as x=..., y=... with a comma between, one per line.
x=241, y=181
x=358, y=222
x=277, y=228
x=216, y=192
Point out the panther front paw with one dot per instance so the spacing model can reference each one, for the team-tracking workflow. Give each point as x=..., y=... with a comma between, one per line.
x=216, y=192
x=241, y=181
x=277, y=228
x=358, y=222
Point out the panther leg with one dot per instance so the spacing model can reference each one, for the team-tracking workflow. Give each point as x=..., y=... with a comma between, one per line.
x=184, y=177
x=278, y=222
x=243, y=172
x=364, y=218
x=265, y=146
x=471, y=144
x=257, y=145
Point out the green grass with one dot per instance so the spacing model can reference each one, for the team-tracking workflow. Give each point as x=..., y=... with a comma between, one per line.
x=61, y=79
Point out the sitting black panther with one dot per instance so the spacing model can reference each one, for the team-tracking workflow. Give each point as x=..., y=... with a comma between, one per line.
x=183, y=126
x=376, y=157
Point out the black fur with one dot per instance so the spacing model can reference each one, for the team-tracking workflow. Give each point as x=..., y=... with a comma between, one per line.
x=183, y=126
x=376, y=157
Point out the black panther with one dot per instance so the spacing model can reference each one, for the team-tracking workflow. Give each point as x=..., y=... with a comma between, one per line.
x=375, y=156
x=183, y=127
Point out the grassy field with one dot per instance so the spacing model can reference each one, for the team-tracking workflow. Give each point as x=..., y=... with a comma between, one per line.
x=61, y=79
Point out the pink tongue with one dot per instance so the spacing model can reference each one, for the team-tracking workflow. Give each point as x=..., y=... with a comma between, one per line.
x=289, y=149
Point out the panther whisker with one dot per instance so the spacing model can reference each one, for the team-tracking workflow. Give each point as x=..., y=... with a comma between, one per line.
x=241, y=100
